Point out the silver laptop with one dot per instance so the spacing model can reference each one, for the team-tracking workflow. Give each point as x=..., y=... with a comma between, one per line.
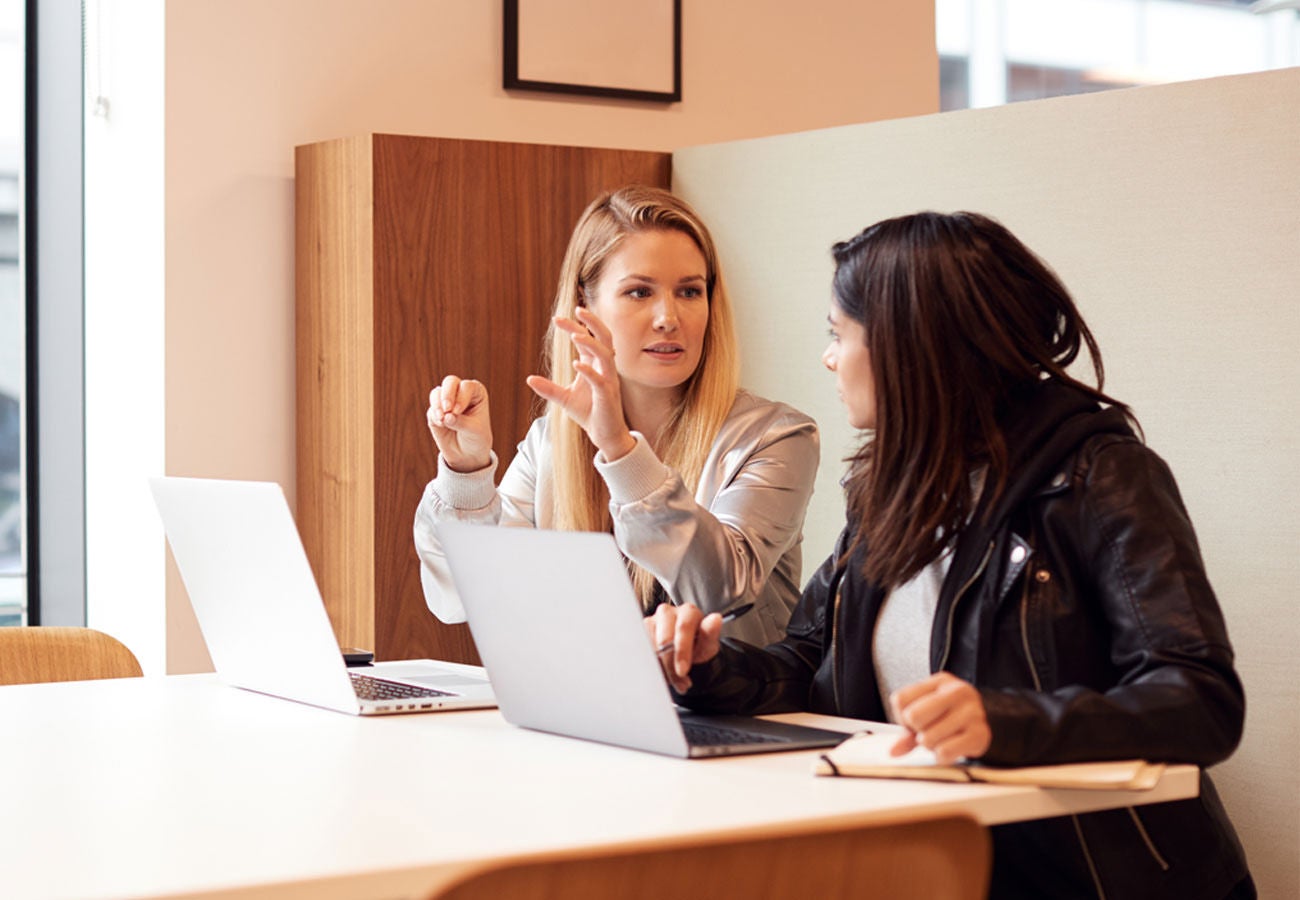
x=261, y=613
x=558, y=626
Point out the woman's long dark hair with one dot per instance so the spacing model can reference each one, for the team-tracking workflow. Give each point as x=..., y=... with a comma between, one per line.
x=959, y=317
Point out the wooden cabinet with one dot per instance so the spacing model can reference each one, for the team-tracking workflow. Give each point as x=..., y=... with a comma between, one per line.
x=415, y=258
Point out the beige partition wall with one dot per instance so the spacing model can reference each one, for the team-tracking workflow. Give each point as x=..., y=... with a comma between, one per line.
x=1173, y=213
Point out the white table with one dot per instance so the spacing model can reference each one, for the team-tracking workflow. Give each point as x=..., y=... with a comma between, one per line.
x=180, y=786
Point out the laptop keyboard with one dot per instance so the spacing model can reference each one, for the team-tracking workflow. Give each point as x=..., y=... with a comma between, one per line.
x=700, y=735
x=368, y=687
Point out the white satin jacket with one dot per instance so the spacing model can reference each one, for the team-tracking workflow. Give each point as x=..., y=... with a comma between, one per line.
x=738, y=540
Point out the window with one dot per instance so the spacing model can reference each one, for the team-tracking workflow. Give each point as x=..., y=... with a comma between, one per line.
x=1001, y=51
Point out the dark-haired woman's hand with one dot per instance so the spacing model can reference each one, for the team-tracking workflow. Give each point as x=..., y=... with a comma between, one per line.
x=593, y=398
x=683, y=636
x=460, y=423
x=943, y=714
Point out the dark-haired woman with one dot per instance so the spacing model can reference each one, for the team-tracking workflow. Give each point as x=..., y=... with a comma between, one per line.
x=1018, y=581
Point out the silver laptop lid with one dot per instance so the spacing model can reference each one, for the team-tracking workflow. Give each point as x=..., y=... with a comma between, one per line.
x=252, y=589
x=533, y=633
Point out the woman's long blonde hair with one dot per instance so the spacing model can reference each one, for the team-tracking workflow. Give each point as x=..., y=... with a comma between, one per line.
x=581, y=498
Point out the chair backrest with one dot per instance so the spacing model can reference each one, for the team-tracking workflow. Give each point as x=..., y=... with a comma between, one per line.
x=936, y=859
x=56, y=653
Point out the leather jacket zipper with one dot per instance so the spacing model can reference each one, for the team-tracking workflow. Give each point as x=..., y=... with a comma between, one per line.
x=1038, y=686
x=1042, y=574
x=835, y=643
x=1087, y=855
x=952, y=608
x=1078, y=829
x=1024, y=637
x=1151, y=846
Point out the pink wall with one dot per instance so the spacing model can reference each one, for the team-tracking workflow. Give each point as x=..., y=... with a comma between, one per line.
x=247, y=80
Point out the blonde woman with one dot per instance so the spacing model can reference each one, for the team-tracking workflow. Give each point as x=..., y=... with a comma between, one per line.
x=648, y=434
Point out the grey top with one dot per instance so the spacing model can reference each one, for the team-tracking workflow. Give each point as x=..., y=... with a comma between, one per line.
x=900, y=648
x=737, y=540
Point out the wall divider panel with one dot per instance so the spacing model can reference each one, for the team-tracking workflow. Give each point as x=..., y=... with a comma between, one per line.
x=1172, y=213
x=418, y=257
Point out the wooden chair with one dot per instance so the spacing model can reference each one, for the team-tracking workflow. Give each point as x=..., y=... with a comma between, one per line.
x=936, y=859
x=55, y=653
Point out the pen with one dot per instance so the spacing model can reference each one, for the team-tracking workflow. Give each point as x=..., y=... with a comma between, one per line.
x=730, y=615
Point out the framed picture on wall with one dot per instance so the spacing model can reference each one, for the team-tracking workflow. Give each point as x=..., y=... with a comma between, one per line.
x=624, y=49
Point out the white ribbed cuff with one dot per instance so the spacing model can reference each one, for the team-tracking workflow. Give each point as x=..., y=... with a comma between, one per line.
x=634, y=476
x=466, y=490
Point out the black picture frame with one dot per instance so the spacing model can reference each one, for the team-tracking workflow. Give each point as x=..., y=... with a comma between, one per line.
x=514, y=79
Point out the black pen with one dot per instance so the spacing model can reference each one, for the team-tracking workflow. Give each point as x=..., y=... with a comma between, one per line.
x=730, y=615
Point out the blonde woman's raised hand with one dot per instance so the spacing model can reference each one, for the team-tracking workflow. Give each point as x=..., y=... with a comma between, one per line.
x=593, y=398
x=460, y=423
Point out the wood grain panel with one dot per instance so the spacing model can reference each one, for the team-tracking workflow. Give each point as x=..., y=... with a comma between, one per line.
x=464, y=249
x=335, y=372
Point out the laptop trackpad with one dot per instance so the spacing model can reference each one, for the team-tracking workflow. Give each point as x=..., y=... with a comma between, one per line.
x=443, y=681
x=457, y=679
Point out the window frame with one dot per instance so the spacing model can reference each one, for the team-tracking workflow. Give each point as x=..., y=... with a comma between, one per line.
x=53, y=242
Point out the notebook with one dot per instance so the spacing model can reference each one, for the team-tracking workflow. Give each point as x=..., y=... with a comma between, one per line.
x=261, y=612
x=559, y=628
x=867, y=755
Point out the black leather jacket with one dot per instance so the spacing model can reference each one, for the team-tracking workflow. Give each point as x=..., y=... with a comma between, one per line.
x=1083, y=614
